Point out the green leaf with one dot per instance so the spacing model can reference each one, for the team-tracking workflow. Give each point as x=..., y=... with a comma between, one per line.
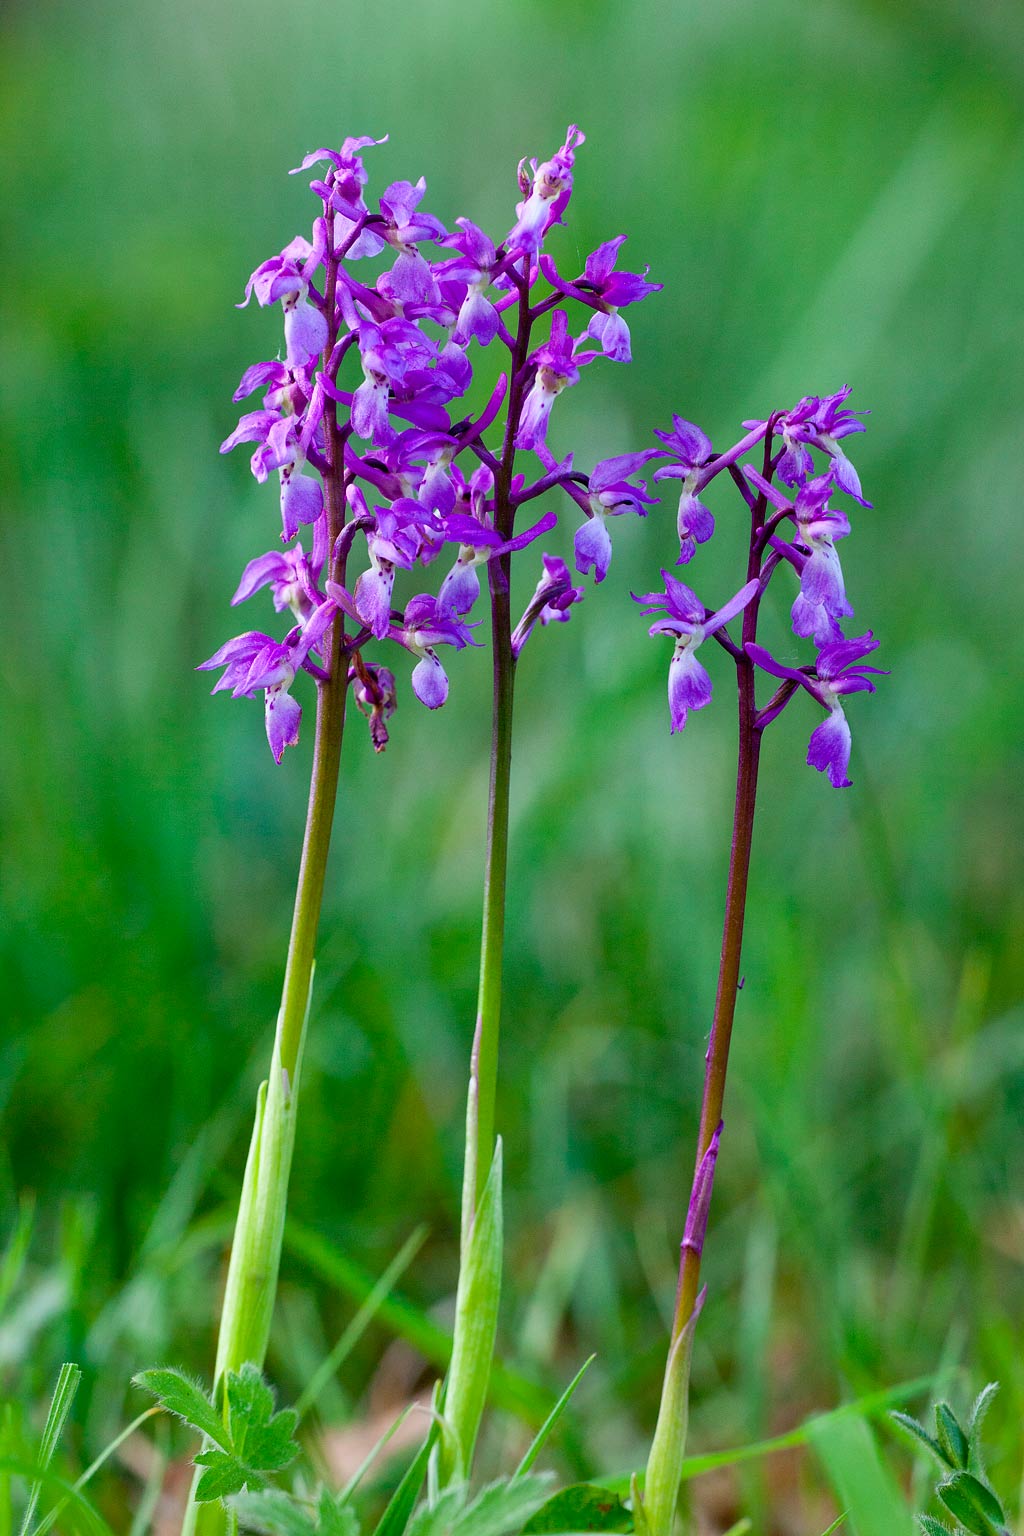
x=504, y=1507
x=836, y=1523
x=262, y=1439
x=402, y=1502
x=551, y=1420
x=224, y=1475
x=913, y=1427
x=583, y=1507
x=974, y=1505
x=982, y=1403
x=951, y=1436
x=476, y=1323
x=933, y=1527
x=863, y=1483
x=185, y=1398
x=336, y=1518
x=438, y=1518
x=273, y=1513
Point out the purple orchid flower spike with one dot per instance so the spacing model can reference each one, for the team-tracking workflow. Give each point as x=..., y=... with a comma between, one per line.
x=839, y=671
x=689, y=686
x=691, y=448
x=546, y=194
x=552, y=601
x=610, y=495
x=556, y=370
x=256, y=661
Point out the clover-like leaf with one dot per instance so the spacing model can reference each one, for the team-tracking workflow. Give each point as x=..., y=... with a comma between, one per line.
x=185, y=1398
x=951, y=1436
x=913, y=1427
x=974, y=1505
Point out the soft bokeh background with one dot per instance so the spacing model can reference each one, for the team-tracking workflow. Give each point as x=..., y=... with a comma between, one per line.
x=830, y=193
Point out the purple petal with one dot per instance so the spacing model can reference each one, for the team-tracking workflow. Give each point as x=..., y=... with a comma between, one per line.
x=305, y=333
x=460, y=589
x=302, y=501
x=372, y=596
x=593, y=548
x=259, y=573
x=689, y=687
x=430, y=681
x=283, y=714
x=829, y=749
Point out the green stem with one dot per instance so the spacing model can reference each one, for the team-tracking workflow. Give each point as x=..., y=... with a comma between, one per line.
x=483, y=1079
x=247, y=1309
x=479, y=1290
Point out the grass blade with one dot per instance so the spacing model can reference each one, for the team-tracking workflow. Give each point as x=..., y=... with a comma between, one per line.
x=60, y=1407
x=551, y=1420
x=362, y=1320
x=865, y=1487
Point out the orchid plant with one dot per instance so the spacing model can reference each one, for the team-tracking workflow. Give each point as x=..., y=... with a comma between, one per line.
x=384, y=471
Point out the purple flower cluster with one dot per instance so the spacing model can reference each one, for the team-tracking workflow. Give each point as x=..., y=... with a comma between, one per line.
x=365, y=421
x=792, y=524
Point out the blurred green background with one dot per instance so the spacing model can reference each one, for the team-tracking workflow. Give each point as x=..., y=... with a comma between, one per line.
x=830, y=193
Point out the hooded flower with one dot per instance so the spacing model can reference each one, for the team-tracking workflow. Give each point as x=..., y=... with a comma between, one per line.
x=609, y=495
x=302, y=497
x=690, y=447
x=478, y=543
x=689, y=686
x=551, y=603
x=555, y=369
x=254, y=660
x=282, y=278
x=606, y=292
x=546, y=195
x=839, y=671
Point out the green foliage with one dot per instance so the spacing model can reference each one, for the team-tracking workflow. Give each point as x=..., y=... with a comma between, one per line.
x=541, y=1437
x=583, y=1507
x=270, y=1512
x=962, y=1491
x=864, y=1485
x=251, y=1438
x=476, y=1325
x=60, y=1406
x=185, y=1398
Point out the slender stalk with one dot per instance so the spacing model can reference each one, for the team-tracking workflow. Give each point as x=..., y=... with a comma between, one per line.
x=251, y=1285
x=657, y=1505
x=256, y=1249
x=479, y=1290
x=484, y=1061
